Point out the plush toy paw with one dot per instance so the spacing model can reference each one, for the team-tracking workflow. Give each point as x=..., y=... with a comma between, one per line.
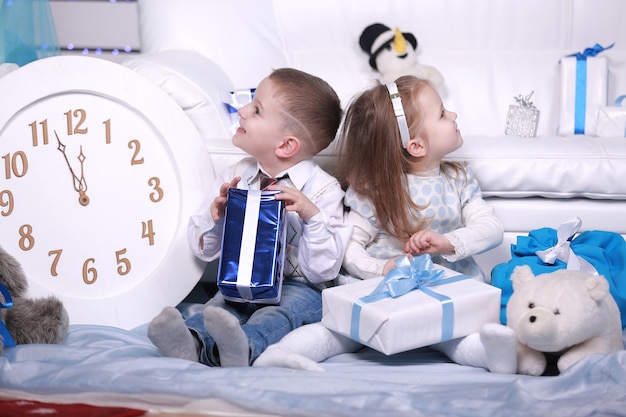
x=43, y=320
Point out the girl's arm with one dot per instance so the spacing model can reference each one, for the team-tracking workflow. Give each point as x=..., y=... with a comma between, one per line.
x=357, y=262
x=482, y=231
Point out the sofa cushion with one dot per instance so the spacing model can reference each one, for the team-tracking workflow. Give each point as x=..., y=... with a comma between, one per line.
x=552, y=166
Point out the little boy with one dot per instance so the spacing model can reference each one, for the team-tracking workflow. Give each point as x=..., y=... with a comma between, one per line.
x=293, y=116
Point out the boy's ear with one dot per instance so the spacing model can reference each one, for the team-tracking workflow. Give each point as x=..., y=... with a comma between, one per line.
x=416, y=147
x=288, y=148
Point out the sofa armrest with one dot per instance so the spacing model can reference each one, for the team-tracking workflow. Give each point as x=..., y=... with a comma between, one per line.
x=195, y=82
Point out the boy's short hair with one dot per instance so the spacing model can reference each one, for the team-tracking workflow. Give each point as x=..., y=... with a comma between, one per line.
x=312, y=107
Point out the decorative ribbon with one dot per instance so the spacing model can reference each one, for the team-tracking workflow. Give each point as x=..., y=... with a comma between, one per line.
x=411, y=273
x=525, y=102
x=562, y=251
x=4, y=332
x=580, y=102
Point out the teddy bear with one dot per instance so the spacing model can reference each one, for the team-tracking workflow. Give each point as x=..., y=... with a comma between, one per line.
x=564, y=315
x=394, y=53
x=27, y=320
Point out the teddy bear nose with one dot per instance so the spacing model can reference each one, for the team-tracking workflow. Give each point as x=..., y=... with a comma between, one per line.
x=532, y=319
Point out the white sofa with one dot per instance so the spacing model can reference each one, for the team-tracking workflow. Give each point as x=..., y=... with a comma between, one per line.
x=489, y=52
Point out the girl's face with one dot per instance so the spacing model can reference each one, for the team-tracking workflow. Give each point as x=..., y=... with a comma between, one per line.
x=261, y=124
x=438, y=125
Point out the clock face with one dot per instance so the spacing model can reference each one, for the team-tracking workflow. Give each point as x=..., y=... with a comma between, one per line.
x=98, y=181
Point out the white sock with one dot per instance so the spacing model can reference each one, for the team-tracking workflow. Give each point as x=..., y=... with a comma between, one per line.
x=171, y=336
x=500, y=344
x=467, y=351
x=283, y=357
x=232, y=342
x=305, y=346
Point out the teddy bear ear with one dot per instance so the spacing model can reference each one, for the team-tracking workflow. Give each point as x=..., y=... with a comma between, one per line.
x=521, y=274
x=597, y=286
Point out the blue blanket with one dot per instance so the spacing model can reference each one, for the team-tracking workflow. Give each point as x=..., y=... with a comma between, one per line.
x=422, y=382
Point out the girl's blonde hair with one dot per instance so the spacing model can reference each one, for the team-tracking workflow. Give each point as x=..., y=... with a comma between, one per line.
x=373, y=161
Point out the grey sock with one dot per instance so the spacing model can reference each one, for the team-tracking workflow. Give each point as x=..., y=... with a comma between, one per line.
x=232, y=342
x=171, y=336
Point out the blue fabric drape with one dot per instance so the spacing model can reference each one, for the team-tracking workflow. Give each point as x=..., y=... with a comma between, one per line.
x=27, y=31
x=606, y=251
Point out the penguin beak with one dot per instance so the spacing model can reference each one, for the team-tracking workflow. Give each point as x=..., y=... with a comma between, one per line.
x=399, y=43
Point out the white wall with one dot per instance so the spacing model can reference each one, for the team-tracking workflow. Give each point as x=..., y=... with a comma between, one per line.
x=92, y=24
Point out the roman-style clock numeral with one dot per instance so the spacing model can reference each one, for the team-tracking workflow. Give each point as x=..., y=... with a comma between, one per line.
x=107, y=131
x=72, y=129
x=27, y=240
x=155, y=183
x=6, y=201
x=136, y=145
x=147, y=231
x=55, y=261
x=44, y=132
x=124, y=263
x=16, y=164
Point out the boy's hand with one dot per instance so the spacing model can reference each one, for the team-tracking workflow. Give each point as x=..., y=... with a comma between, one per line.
x=218, y=207
x=296, y=201
x=427, y=241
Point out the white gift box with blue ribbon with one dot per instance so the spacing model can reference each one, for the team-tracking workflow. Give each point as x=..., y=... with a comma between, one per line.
x=253, y=247
x=583, y=89
x=612, y=119
x=417, y=304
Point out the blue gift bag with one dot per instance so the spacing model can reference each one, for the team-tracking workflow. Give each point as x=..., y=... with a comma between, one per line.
x=253, y=247
x=600, y=250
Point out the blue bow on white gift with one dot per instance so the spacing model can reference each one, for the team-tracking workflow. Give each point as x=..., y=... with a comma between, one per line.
x=411, y=273
x=580, y=103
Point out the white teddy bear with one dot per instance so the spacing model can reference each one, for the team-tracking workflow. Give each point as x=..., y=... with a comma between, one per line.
x=568, y=313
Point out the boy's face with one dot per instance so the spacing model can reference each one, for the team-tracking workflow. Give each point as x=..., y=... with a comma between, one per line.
x=261, y=127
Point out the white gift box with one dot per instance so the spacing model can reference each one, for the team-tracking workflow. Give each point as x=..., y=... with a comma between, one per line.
x=415, y=319
x=612, y=119
x=584, y=88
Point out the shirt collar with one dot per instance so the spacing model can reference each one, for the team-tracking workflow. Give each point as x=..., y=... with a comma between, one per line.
x=299, y=174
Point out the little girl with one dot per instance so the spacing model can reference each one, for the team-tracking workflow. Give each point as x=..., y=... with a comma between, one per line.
x=405, y=199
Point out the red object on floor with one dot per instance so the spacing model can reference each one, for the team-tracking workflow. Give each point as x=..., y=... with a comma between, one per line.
x=21, y=408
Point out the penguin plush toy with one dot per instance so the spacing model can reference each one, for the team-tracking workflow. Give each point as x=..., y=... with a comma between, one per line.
x=393, y=54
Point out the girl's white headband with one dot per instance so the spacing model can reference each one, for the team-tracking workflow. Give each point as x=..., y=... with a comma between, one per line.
x=396, y=100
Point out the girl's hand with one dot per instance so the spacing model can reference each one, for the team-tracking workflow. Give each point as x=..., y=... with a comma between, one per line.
x=391, y=264
x=295, y=201
x=218, y=207
x=427, y=241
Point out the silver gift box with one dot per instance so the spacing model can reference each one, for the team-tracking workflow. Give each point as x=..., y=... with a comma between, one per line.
x=522, y=119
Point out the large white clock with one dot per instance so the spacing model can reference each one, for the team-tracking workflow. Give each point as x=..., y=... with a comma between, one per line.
x=99, y=172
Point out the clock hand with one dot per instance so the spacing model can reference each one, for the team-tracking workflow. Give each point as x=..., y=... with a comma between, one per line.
x=80, y=184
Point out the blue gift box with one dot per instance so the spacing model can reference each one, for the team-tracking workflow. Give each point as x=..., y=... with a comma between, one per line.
x=253, y=247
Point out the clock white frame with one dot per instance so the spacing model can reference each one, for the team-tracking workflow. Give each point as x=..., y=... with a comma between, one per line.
x=180, y=270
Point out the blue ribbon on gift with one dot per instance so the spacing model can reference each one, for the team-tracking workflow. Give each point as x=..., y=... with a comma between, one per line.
x=411, y=273
x=4, y=332
x=618, y=103
x=580, y=102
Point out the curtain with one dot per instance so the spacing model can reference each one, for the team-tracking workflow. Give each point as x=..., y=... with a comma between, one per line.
x=27, y=31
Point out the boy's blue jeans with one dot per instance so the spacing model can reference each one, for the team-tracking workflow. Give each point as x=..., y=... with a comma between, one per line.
x=264, y=325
